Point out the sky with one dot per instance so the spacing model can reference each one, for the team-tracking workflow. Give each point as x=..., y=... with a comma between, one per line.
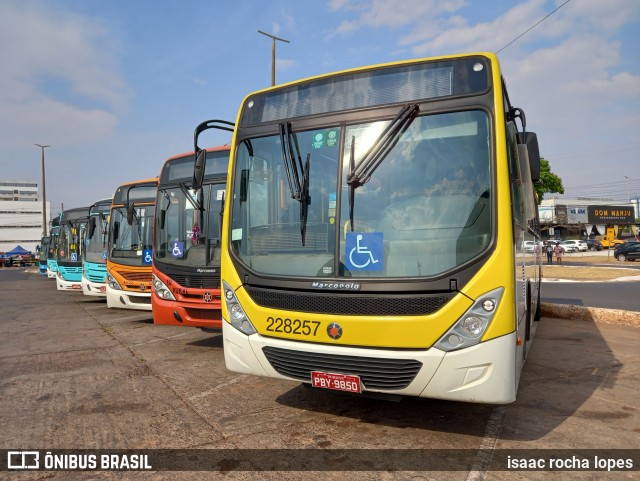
x=116, y=87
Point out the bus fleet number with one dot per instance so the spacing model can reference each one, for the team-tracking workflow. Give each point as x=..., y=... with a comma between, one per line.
x=293, y=326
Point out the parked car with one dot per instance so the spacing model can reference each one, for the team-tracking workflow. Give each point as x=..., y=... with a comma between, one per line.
x=581, y=246
x=618, y=246
x=528, y=246
x=568, y=247
x=594, y=245
x=629, y=251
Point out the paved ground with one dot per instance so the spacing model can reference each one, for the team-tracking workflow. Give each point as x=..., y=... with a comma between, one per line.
x=74, y=374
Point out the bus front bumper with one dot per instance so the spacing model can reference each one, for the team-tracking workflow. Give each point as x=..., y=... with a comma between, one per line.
x=140, y=301
x=174, y=313
x=484, y=373
x=97, y=289
x=64, y=285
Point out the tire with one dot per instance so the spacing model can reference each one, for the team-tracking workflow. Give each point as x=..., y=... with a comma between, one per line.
x=537, y=315
x=621, y=257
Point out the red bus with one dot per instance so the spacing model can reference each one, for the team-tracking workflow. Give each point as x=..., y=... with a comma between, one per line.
x=186, y=245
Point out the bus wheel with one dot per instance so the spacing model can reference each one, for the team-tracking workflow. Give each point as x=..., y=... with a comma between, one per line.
x=536, y=317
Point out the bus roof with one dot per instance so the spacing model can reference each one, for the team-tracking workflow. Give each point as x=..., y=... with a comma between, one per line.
x=179, y=168
x=145, y=191
x=74, y=214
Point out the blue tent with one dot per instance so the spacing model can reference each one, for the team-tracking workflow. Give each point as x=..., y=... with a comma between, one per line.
x=17, y=251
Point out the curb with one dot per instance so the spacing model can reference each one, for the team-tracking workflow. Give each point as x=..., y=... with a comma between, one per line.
x=593, y=314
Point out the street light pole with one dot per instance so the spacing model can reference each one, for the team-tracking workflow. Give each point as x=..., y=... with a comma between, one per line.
x=44, y=193
x=273, y=54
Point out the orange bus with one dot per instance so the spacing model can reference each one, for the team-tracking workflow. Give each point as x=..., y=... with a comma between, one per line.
x=186, y=246
x=130, y=256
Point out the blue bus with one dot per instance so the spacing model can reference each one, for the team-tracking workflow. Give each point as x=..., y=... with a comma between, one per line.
x=73, y=223
x=52, y=248
x=94, y=259
x=42, y=249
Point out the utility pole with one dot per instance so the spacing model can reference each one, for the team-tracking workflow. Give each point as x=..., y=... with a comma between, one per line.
x=44, y=192
x=273, y=54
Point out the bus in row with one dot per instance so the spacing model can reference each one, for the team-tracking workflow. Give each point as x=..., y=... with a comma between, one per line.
x=129, y=256
x=73, y=223
x=94, y=265
x=52, y=248
x=43, y=249
x=370, y=232
x=187, y=242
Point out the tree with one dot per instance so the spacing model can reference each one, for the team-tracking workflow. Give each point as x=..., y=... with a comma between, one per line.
x=549, y=182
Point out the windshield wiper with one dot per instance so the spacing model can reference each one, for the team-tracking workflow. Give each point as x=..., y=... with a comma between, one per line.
x=361, y=174
x=297, y=175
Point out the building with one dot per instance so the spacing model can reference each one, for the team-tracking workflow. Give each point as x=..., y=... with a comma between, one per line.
x=21, y=215
x=565, y=218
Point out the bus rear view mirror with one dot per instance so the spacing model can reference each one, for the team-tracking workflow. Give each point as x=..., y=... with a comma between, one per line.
x=92, y=227
x=198, y=170
x=130, y=212
x=244, y=184
x=530, y=139
x=163, y=217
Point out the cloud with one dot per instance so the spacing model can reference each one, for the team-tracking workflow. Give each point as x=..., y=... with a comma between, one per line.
x=60, y=80
x=385, y=14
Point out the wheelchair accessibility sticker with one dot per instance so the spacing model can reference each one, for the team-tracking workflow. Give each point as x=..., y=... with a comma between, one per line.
x=74, y=257
x=147, y=257
x=364, y=251
x=177, y=249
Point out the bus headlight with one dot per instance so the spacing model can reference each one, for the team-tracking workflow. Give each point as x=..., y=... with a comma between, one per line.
x=470, y=328
x=161, y=290
x=237, y=316
x=112, y=283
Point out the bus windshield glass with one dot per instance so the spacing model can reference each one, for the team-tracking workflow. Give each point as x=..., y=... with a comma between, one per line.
x=186, y=234
x=96, y=245
x=69, y=248
x=52, y=248
x=423, y=211
x=131, y=242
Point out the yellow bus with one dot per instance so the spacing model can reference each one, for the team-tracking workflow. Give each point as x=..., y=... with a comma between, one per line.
x=371, y=232
x=129, y=253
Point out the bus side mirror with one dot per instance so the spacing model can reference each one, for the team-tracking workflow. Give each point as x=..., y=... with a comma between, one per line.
x=244, y=184
x=116, y=231
x=198, y=170
x=130, y=210
x=530, y=139
x=92, y=227
x=163, y=217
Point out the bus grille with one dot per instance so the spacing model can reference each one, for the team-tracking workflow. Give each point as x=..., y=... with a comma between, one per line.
x=198, y=281
x=96, y=273
x=136, y=276
x=349, y=304
x=374, y=373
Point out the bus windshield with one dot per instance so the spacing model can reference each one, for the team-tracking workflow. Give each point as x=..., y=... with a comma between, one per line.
x=131, y=242
x=96, y=244
x=69, y=247
x=424, y=209
x=52, y=248
x=188, y=229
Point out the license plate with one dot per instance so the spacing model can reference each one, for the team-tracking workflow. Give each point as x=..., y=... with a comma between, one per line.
x=76, y=286
x=103, y=288
x=337, y=382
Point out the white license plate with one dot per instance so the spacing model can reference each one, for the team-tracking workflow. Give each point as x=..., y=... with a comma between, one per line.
x=337, y=382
